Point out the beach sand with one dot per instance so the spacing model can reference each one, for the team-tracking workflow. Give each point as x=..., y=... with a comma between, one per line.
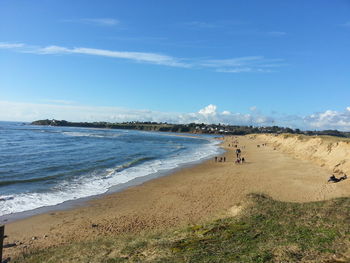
x=190, y=195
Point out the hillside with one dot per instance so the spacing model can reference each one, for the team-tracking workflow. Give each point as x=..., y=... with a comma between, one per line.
x=200, y=128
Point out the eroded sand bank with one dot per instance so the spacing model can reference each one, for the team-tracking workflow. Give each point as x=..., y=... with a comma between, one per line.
x=330, y=152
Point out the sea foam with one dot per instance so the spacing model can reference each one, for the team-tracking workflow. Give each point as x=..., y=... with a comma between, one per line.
x=101, y=182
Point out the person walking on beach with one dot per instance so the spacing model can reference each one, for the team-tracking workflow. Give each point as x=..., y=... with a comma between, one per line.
x=238, y=153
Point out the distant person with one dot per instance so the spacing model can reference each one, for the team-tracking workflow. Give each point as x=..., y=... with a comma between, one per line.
x=243, y=160
x=224, y=159
x=216, y=158
x=335, y=179
x=238, y=153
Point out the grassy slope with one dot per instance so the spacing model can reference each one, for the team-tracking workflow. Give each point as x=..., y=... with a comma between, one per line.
x=267, y=231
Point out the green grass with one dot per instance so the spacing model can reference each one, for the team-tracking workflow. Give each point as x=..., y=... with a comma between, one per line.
x=267, y=231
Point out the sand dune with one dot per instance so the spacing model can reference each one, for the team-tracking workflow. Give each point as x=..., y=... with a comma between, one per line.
x=329, y=152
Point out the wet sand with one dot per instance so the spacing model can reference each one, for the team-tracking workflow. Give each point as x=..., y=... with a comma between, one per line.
x=188, y=196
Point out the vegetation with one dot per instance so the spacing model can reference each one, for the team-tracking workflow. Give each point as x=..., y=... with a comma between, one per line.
x=189, y=128
x=266, y=231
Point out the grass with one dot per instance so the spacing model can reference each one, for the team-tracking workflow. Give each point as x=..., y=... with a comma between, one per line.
x=267, y=231
x=327, y=138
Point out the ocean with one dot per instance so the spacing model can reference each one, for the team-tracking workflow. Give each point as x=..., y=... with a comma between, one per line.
x=43, y=166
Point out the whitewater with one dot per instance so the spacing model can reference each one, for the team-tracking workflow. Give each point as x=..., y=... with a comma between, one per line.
x=43, y=166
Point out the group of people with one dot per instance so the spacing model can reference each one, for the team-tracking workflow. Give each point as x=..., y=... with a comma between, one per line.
x=239, y=158
x=220, y=160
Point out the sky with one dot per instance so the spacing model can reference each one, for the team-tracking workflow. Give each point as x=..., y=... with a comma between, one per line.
x=243, y=62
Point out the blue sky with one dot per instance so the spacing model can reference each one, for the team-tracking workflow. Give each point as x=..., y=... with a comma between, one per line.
x=238, y=62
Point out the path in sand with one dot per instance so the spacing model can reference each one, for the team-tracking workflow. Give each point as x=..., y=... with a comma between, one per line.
x=187, y=196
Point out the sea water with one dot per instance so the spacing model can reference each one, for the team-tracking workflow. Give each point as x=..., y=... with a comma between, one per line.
x=43, y=166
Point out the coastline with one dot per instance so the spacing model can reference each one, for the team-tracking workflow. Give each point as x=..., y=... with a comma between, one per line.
x=113, y=176
x=84, y=201
x=187, y=196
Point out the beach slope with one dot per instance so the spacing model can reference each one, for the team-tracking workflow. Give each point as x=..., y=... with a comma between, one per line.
x=192, y=195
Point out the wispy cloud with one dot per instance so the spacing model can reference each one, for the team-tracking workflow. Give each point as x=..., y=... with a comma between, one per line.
x=243, y=64
x=231, y=65
x=234, y=70
x=200, y=24
x=211, y=24
x=145, y=57
x=6, y=45
x=346, y=24
x=232, y=62
x=139, y=38
x=95, y=21
x=232, y=27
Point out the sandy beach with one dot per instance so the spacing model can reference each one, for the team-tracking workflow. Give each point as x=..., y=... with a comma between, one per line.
x=190, y=195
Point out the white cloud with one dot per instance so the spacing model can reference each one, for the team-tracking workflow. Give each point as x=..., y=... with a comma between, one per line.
x=102, y=21
x=243, y=64
x=95, y=21
x=10, y=45
x=50, y=50
x=152, y=58
x=234, y=70
x=253, y=108
x=257, y=64
x=329, y=120
x=19, y=111
x=208, y=110
x=232, y=62
x=220, y=24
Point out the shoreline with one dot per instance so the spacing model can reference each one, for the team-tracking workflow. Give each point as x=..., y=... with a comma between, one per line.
x=84, y=201
x=188, y=196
